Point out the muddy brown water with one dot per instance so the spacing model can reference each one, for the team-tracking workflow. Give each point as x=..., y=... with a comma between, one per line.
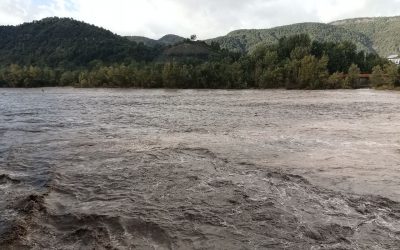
x=156, y=169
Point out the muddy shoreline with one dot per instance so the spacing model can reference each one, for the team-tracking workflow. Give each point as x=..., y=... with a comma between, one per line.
x=101, y=169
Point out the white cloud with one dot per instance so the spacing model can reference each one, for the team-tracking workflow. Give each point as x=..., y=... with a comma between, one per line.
x=207, y=18
x=12, y=11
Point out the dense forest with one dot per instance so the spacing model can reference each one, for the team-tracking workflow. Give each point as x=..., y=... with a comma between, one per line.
x=65, y=52
x=383, y=32
x=165, y=40
x=67, y=43
x=377, y=34
x=247, y=40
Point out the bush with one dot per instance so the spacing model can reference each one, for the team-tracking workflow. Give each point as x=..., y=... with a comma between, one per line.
x=385, y=77
x=377, y=77
x=335, y=81
x=353, y=77
x=391, y=75
x=313, y=72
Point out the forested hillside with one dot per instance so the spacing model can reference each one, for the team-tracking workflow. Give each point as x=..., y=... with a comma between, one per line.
x=378, y=34
x=165, y=40
x=65, y=52
x=146, y=41
x=247, y=40
x=384, y=32
x=66, y=43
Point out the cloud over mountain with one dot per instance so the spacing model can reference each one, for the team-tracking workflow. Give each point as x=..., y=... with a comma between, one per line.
x=207, y=18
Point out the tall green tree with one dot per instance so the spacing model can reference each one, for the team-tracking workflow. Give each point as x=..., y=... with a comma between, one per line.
x=353, y=77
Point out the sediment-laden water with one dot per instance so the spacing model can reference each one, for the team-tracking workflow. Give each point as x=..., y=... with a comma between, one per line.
x=155, y=169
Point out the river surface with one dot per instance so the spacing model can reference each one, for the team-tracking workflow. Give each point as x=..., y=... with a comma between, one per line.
x=158, y=169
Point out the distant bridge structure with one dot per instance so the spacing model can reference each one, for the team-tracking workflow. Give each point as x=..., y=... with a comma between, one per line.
x=365, y=81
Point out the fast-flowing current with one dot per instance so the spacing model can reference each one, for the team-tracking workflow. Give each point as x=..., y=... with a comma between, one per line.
x=187, y=169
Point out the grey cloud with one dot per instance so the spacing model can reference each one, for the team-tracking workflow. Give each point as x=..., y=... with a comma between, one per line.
x=381, y=7
x=207, y=18
x=374, y=8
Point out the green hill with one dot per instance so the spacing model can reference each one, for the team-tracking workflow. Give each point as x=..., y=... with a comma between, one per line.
x=65, y=52
x=64, y=42
x=377, y=34
x=384, y=32
x=171, y=39
x=141, y=39
x=68, y=44
x=163, y=41
x=188, y=50
x=247, y=40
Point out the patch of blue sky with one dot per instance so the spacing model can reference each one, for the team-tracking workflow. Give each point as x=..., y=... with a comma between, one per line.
x=69, y=5
x=41, y=2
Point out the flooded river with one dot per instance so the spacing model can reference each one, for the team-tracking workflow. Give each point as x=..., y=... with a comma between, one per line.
x=156, y=169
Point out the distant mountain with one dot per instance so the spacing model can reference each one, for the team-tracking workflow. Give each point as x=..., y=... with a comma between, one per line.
x=378, y=34
x=188, y=50
x=171, y=39
x=141, y=39
x=165, y=40
x=383, y=32
x=247, y=40
x=177, y=48
x=67, y=43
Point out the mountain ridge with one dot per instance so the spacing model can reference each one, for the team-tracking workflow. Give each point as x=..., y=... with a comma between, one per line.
x=66, y=42
x=384, y=32
x=245, y=40
x=63, y=42
x=372, y=34
x=169, y=39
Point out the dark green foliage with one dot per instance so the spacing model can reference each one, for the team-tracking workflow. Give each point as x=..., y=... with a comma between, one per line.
x=188, y=51
x=27, y=77
x=341, y=56
x=64, y=52
x=379, y=34
x=293, y=63
x=66, y=43
x=353, y=77
x=248, y=40
x=144, y=40
x=165, y=40
x=295, y=47
x=385, y=77
x=378, y=77
x=383, y=32
x=313, y=72
x=335, y=81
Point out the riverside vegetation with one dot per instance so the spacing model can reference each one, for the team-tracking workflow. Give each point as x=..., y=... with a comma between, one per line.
x=65, y=52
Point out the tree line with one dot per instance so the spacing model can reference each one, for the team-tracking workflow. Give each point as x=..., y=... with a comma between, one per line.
x=294, y=62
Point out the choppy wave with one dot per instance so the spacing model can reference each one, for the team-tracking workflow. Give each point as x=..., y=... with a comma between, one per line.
x=191, y=179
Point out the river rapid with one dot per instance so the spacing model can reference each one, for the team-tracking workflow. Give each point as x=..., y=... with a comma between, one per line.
x=189, y=169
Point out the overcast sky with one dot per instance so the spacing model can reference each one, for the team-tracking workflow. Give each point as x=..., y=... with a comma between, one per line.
x=206, y=18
